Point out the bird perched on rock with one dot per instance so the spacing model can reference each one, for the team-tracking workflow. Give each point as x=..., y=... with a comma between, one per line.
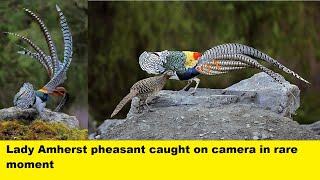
x=27, y=97
x=144, y=89
x=220, y=59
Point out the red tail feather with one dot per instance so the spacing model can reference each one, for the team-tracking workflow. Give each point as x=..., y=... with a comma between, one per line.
x=59, y=91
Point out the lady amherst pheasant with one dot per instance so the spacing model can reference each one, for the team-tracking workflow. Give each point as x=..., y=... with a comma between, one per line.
x=144, y=90
x=220, y=59
x=27, y=97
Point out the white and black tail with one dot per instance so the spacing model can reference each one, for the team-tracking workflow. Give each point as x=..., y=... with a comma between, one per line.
x=60, y=76
x=43, y=58
x=251, y=63
x=234, y=48
x=36, y=56
x=67, y=38
x=220, y=66
x=62, y=102
x=51, y=46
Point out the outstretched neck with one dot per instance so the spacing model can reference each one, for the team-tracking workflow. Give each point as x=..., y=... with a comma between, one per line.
x=165, y=76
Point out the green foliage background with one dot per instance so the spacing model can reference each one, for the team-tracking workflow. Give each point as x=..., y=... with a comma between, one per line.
x=120, y=31
x=15, y=69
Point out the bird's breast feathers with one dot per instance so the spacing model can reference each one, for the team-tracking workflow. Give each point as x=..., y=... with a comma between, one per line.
x=191, y=58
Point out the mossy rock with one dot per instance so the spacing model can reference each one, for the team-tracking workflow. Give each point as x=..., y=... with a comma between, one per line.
x=38, y=129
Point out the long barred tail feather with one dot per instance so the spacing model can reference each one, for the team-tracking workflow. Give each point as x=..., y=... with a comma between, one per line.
x=59, y=91
x=36, y=56
x=61, y=75
x=67, y=38
x=209, y=69
x=51, y=46
x=220, y=66
x=46, y=58
x=228, y=63
x=234, y=48
x=25, y=51
x=210, y=72
x=123, y=102
x=62, y=102
x=252, y=62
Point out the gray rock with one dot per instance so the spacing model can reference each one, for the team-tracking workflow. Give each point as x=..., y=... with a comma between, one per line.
x=247, y=110
x=282, y=99
x=106, y=126
x=256, y=133
x=92, y=136
x=47, y=115
x=264, y=136
x=255, y=138
x=314, y=127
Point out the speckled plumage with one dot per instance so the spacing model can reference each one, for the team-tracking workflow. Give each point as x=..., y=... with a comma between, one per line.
x=144, y=89
x=26, y=97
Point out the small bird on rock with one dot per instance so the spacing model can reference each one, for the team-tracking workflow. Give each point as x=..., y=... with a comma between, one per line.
x=144, y=89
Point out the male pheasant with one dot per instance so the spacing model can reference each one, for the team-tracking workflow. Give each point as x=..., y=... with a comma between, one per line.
x=218, y=60
x=27, y=96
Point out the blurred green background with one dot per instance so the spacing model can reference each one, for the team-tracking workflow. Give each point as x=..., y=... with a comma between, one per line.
x=15, y=69
x=120, y=31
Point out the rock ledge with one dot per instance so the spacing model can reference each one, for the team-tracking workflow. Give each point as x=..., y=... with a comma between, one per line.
x=14, y=113
x=255, y=108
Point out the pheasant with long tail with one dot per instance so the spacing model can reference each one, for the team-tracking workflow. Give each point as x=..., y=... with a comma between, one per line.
x=218, y=60
x=27, y=97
